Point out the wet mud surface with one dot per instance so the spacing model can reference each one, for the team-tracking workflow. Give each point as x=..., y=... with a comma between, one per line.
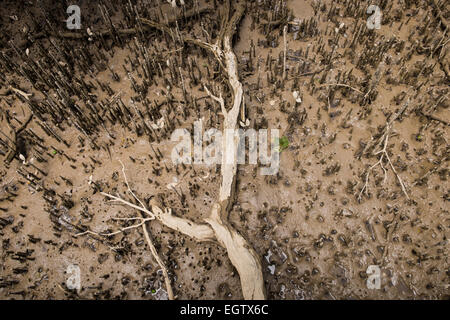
x=362, y=180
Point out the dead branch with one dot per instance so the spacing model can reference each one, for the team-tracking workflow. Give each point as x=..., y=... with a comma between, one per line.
x=383, y=155
x=19, y=92
x=199, y=232
x=243, y=257
x=142, y=224
x=121, y=230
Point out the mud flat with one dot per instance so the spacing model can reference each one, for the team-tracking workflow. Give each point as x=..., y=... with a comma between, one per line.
x=88, y=185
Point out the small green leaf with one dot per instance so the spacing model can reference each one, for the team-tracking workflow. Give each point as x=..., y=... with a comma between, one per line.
x=283, y=143
x=54, y=152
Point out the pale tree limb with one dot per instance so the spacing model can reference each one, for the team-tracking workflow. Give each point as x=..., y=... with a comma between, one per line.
x=241, y=254
x=149, y=241
x=379, y=162
x=19, y=92
x=243, y=257
x=160, y=262
x=25, y=95
x=121, y=230
x=129, y=189
x=199, y=232
x=142, y=224
x=384, y=155
x=127, y=203
x=218, y=99
x=398, y=177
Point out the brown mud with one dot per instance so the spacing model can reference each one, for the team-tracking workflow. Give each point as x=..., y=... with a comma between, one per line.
x=315, y=226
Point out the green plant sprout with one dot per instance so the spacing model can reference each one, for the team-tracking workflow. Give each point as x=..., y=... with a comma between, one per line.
x=283, y=143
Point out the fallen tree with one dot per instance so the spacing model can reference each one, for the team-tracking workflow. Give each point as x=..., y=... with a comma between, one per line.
x=241, y=254
x=216, y=226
